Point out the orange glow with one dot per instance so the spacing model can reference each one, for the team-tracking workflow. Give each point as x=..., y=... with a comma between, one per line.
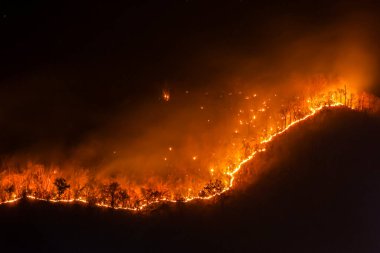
x=165, y=95
x=37, y=182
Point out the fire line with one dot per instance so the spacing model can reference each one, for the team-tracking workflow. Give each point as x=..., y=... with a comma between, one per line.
x=213, y=190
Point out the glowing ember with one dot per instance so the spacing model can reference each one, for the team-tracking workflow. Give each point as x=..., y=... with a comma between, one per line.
x=37, y=182
x=165, y=95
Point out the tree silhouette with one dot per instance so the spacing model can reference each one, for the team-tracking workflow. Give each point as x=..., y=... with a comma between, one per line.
x=152, y=195
x=211, y=188
x=284, y=111
x=123, y=197
x=10, y=190
x=61, y=185
x=112, y=189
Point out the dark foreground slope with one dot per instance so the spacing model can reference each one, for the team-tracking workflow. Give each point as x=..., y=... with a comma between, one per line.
x=318, y=191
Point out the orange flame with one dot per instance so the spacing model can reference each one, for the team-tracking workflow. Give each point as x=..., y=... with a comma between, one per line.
x=38, y=183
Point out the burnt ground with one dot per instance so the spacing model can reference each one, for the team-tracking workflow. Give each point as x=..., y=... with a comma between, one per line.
x=317, y=190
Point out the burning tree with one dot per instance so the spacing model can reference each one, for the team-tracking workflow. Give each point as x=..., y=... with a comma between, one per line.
x=90, y=193
x=35, y=181
x=123, y=197
x=112, y=189
x=113, y=195
x=342, y=95
x=296, y=110
x=152, y=195
x=212, y=188
x=284, y=111
x=61, y=185
x=10, y=190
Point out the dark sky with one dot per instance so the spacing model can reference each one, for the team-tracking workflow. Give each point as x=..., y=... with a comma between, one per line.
x=77, y=73
x=67, y=67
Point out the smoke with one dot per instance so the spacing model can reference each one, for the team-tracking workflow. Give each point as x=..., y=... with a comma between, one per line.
x=114, y=121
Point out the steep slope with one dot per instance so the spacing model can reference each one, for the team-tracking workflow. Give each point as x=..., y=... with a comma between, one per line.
x=315, y=190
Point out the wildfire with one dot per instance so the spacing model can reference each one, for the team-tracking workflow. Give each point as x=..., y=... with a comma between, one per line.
x=35, y=182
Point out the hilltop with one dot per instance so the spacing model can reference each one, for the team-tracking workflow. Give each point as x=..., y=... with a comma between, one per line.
x=315, y=190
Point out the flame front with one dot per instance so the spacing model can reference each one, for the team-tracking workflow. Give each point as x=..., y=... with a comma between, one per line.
x=257, y=124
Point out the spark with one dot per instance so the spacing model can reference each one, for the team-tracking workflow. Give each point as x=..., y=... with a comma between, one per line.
x=165, y=95
x=230, y=171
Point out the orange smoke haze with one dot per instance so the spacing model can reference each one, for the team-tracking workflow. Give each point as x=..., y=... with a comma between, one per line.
x=218, y=109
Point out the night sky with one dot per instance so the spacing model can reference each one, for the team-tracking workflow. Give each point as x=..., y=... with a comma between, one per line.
x=67, y=67
x=82, y=81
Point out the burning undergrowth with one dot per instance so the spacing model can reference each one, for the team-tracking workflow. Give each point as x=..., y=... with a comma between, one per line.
x=118, y=135
x=201, y=165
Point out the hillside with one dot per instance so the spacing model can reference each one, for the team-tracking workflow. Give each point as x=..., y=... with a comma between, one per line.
x=315, y=190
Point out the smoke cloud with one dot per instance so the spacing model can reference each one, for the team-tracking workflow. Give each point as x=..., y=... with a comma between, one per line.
x=102, y=108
